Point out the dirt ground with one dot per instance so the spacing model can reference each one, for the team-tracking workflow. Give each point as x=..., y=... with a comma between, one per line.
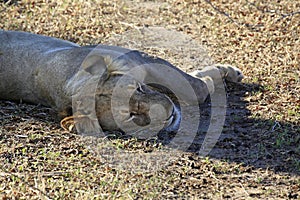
x=256, y=157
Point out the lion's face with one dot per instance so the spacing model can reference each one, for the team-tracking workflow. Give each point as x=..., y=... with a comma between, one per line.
x=122, y=101
x=133, y=106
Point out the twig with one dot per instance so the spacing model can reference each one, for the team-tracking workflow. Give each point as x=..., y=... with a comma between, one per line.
x=275, y=125
x=244, y=189
x=262, y=10
x=230, y=18
x=283, y=15
x=289, y=14
x=221, y=12
x=258, y=8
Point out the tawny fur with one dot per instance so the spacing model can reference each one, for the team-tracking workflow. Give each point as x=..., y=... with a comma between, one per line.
x=49, y=71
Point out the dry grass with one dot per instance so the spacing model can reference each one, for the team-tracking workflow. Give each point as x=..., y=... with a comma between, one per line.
x=258, y=153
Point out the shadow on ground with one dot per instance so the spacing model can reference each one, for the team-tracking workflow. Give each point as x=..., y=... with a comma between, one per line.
x=255, y=142
x=260, y=143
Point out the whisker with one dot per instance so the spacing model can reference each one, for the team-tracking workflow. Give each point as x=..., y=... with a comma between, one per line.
x=129, y=119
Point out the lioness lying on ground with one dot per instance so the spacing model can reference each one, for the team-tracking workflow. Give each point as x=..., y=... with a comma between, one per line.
x=60, y=74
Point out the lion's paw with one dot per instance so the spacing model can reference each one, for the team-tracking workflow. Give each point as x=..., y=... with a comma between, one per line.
x=230, y=73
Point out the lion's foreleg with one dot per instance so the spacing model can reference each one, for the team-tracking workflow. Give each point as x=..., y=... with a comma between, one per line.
x=213, y=76
x=210, y=75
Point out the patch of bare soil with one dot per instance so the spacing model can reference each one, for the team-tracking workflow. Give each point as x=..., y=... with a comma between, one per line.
x=258, y=153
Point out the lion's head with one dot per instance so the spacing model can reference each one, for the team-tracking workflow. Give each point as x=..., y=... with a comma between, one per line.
x=106, y=95
x=132, y=106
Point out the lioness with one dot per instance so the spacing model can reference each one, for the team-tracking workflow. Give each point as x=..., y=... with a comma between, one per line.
x=53, y=72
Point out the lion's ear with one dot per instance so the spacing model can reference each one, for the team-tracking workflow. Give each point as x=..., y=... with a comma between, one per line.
x=94, y=64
